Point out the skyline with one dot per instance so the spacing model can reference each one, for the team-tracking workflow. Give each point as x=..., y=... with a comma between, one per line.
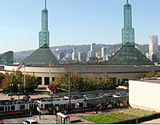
x=74, y=22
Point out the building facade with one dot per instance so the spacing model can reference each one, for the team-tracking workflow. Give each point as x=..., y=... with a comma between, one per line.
x=153, y=44
x=104, y=52
x=82, y=56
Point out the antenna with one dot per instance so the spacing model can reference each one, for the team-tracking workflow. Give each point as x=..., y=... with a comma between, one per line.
x=45, y=4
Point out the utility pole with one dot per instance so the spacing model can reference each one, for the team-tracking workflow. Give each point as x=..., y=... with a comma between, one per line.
x=69, y=93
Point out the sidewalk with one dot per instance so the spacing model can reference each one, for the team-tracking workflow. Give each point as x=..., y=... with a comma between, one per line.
x=154, y=121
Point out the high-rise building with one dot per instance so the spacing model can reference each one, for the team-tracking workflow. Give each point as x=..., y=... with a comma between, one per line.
x=92, y=52
x=82, y=56
x=153, y=44
x=128, y=30
x=61, y=55
x=44, y=33
x=74, y=54
x=104, y=52
x=98, y=55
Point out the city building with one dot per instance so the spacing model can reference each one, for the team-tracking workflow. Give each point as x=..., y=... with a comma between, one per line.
x=74, y=54
x=69, y=56
x=61, y=55
x=153, y=48
x=82, y=56
x=92, y=58
x=98, y=55
x=153, y=44
x=92, y=52
x=153, y=57
x=128, y=54
x=104, y=52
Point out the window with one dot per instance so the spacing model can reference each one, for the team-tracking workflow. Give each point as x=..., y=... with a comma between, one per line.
x=22, y=106
x=31, y=106
x=65, y=106
x=12, y=107
x=53, y=78
x=1, y=109
x=46, y=106
x=80, y=104
x=39, y=80
x=56, y=105
x=73, y=105
x=46, y=80
x=61, y=106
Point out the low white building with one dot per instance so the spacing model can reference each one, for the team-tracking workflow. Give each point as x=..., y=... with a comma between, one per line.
x=144, y=94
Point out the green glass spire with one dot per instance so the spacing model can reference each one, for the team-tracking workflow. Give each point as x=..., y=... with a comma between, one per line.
x=128, y=30
x=44, y=33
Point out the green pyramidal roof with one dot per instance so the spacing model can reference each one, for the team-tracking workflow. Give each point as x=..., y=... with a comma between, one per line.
x=129, y=55
x=42, y=56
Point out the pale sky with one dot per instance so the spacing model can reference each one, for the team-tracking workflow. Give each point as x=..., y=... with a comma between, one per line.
x=74, y=22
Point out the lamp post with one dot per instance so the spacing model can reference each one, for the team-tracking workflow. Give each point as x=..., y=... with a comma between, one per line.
x=18, y=91
x=69, y=92
x=11, y=90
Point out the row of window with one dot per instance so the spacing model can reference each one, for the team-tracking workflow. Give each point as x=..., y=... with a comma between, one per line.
x=62, y=106
x=46, y=80
x=12, y=108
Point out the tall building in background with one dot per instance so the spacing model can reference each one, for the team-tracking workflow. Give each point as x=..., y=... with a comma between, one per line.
x=128, y=30
x=153, y=48
x=92, y=52
x=74, y=54
x=82, y=56
x=104, y=52
x=153, y=44
x=44, y=33
x=61, y=55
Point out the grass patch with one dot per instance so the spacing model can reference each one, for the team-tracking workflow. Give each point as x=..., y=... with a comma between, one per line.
x=118, y=116
x=102, y=119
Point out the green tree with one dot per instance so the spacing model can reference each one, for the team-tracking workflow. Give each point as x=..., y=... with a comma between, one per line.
x=11, y=81
x=2, y=76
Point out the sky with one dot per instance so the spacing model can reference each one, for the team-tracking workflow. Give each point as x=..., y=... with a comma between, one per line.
x=74, y=22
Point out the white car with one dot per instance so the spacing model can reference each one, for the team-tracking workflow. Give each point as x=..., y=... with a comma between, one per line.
x=30, y=121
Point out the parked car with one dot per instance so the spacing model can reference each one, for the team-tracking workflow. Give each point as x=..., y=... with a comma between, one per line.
x=30, y=121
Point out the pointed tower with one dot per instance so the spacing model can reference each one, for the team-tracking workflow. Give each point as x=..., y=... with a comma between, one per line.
x=128, y=30
x=128, y=54
x=42, y=56
x=44, y=33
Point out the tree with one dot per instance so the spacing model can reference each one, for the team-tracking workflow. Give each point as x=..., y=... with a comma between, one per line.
x=2, y=76
x=81, y=84
x=11, y=81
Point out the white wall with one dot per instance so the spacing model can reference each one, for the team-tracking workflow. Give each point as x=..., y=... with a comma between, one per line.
x=144, y=94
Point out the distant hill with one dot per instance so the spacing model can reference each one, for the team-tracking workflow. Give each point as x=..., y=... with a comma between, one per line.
x=19, y=56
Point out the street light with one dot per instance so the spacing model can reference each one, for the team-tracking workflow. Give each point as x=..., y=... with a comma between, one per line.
x=11, y=90
x=18, y=91
x=69, y=93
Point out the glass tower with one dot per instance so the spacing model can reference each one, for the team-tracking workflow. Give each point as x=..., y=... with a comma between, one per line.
x=44, y=33
x=128, y=30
